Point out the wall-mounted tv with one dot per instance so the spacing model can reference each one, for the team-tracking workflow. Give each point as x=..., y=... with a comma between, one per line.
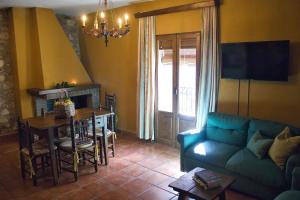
x=267, y=60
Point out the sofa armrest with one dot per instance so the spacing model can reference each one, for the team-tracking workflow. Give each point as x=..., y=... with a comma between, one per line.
x=292, y=162
x=296, y=179
x=187, y=139
x=190, y=137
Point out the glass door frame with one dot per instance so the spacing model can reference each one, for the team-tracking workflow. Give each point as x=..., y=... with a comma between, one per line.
x=181, y=36
x=173, y=38
x=176, y=43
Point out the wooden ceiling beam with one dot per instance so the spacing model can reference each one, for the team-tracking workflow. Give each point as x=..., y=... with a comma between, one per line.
x=181, y=8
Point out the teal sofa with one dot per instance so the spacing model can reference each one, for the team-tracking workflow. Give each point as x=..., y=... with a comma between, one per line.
x=221, y=146
x=294, y=193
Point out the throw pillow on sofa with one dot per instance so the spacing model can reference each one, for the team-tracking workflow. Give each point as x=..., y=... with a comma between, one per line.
x=283, y=146
x=259, y=145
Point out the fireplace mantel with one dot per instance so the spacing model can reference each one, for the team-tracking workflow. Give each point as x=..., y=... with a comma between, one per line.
x=50, y=93
x=42, y=96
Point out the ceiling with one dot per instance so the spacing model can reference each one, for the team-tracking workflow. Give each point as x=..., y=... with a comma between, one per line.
x=67, y=7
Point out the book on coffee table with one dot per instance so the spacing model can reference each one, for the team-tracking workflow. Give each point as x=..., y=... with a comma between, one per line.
x=207, y=179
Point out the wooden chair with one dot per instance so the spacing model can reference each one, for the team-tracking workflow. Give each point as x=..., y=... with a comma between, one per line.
x=110, y=104
x=30, y=152
x=61, y=133
x=81, y=148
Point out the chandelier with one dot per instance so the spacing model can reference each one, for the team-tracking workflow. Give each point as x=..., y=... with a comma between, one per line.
x=101, y=27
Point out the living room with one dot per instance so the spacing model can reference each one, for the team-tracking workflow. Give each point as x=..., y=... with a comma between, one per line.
x=168, y=86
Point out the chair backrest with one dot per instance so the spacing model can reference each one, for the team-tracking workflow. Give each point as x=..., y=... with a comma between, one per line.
x=110, y=102
x=25, y=136
x=79, y=131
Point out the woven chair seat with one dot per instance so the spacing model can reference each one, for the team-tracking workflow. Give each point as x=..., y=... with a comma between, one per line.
x=99, y=133
x=60, y=140
x=38, y=148
x=67, y=145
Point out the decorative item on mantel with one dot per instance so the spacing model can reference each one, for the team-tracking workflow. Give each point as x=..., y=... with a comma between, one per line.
x=64, y=107
x=64, y=84
x=101, y=29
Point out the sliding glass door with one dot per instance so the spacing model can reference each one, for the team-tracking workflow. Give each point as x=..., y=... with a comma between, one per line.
x=177, y=72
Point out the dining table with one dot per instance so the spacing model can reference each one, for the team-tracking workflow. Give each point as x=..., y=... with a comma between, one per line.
x=48, y=124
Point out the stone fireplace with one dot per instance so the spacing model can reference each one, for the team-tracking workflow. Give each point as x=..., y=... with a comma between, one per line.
x=83, y=96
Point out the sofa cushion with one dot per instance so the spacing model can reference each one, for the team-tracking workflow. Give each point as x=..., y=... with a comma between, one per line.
x=283, y=146
x=211, y=152
x=263, y=171
x=267, y=128
x=259, y=145
x=289, y=195
x=229, y=129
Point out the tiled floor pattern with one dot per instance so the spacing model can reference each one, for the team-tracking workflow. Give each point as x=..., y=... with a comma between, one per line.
x=140, y=170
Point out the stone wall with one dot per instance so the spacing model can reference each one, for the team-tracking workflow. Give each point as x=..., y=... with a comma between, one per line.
x=71, y=29
x=7, y=95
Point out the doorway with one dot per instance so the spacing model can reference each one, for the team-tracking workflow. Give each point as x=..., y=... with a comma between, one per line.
x=177, y=74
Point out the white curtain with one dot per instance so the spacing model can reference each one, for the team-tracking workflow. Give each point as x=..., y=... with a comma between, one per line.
x=146, y=78
x=210, y=66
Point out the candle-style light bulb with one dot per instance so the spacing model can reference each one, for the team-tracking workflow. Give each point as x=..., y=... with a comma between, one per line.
x=126, y=17
x=96, y=25
x=120, y=21
x=74, y=82
x=84, y=19
x=102, y=15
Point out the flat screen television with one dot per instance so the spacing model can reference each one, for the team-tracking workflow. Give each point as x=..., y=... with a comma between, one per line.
x=267, y=60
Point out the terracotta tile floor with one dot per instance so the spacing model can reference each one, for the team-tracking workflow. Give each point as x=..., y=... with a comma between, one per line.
x=140, y=170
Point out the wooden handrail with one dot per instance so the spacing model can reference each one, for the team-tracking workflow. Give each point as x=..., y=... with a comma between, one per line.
x=181, y=8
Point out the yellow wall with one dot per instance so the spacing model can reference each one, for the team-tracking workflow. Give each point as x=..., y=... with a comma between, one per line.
x=59, y=60
x=24, y=48
x=255, y=20
x=41, y=54
x=115, y=66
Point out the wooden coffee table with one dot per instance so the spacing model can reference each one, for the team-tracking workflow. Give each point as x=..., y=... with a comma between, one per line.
x=187, y=187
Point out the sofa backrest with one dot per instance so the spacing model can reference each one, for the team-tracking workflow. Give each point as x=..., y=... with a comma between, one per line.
x=225, y=128
x=268, y=128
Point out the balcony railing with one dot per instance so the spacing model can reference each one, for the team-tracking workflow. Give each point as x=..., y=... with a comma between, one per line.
x=187, y=99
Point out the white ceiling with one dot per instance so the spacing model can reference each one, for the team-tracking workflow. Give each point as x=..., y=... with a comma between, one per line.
x=67, y=7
